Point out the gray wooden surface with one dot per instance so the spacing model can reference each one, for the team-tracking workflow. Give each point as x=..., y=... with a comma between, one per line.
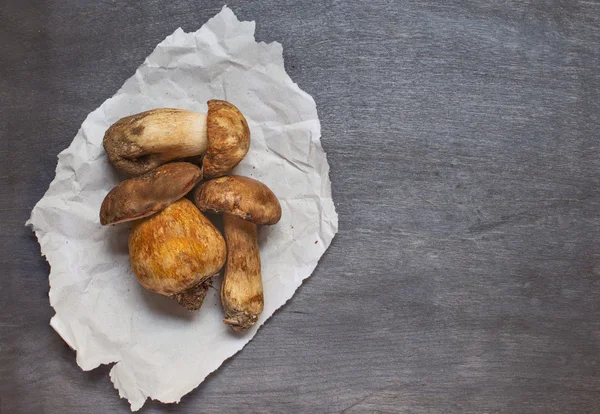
x=463, y=138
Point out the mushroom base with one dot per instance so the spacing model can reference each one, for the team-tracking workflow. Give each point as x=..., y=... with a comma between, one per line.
x=192, y=298
x=240, y=321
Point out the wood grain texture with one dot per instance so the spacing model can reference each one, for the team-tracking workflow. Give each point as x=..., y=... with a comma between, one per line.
x=464, y=146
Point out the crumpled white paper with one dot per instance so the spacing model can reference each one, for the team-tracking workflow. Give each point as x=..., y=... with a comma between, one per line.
x=161, y=350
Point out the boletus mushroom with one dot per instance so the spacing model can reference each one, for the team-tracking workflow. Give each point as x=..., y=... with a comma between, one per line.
x=149, y=193
x=138, y=143
x=175, y=253
x=244, y=202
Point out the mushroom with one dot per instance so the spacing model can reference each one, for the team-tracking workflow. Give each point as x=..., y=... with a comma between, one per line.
x=175, y=253
x=138, y=143
x=244, y=202
x=149, y=193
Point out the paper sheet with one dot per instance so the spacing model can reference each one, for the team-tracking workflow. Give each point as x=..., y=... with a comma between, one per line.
x=161, y=350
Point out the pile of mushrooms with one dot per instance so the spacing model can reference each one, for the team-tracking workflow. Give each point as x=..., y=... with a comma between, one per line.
x=174, y=249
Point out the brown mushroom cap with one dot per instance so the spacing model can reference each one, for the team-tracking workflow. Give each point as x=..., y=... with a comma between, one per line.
x=138, y=143
x=228, y=138
x=176, y=249
x=149, y=193
x=244, y=197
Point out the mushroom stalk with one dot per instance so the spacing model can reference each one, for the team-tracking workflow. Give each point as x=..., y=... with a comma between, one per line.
x=141, y=142
x=242, y=289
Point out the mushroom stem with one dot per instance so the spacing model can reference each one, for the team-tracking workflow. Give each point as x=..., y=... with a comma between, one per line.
x=242, y=289
x=141, y=142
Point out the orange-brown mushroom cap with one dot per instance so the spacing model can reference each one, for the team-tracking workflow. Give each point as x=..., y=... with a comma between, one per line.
x=228, y=138
x=244, y=197
x=149, y=193
x=176, y=249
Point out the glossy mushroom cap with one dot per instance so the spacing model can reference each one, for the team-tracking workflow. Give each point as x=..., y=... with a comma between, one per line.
x=149, y=193
x=228, y=138
x=175, y=249
x=138, y=143
x=243, y=197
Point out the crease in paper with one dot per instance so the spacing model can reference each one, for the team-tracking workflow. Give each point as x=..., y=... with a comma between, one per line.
x=101, y=311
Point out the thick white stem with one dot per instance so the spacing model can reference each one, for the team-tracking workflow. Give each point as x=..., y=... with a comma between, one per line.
x=181, y=136
x=138, y=143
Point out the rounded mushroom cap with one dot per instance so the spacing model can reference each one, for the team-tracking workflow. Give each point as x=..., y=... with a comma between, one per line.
x=228, y=138
x=138, y=143
x=149, y=193
x=244, y=197
x=175, y=249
